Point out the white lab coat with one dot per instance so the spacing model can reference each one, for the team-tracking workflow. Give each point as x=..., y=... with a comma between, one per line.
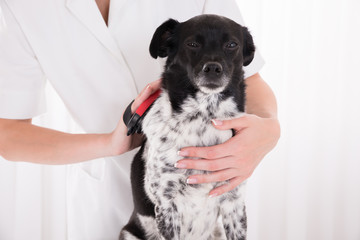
x=96, y=70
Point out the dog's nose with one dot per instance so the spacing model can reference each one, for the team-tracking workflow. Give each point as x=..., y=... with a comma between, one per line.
x=213, y=68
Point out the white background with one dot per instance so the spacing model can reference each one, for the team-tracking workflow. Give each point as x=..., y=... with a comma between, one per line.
x=308, y=188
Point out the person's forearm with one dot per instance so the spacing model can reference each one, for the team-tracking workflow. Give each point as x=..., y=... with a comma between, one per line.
x=260, y=100
x=22, y=141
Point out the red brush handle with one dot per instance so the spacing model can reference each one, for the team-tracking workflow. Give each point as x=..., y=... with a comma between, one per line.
x=146, y=104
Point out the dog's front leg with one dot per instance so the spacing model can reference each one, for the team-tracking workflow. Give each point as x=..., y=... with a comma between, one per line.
x=233, y=216
x=166, y=211
x=167, y=219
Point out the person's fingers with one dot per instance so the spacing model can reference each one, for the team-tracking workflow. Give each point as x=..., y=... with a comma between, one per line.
x=236, y=123
x=226, y=187
x=145, y=94
x=205, y=164
x=222, y=150
x=217, y=176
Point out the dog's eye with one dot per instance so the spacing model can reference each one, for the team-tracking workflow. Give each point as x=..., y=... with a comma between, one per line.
x=231, y=45
x=193, y=44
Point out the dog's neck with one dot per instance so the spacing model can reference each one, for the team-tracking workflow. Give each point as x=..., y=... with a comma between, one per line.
x=179, y=93
x=206, y=106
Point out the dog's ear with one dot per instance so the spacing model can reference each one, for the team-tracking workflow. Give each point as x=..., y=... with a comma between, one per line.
x=159, y=45
x=249, y=47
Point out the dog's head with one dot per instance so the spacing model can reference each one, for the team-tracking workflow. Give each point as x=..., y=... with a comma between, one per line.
x=210, y=48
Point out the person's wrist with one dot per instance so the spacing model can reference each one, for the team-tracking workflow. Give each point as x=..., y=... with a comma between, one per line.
x=107, y=146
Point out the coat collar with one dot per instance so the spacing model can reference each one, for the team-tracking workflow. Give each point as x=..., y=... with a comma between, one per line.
x=88, y=13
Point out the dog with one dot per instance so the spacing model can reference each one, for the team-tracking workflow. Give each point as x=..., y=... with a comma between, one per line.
x=203, y=79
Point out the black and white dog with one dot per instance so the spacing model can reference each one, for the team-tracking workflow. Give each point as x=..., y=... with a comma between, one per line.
x=203, y=80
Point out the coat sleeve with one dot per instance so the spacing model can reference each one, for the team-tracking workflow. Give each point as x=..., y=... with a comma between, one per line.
x=22, y=80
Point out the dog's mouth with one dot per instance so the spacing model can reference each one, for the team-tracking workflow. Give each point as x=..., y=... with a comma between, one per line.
x=211, y=86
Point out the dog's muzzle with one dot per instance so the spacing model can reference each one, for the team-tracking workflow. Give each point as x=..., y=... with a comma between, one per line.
x=211, y=78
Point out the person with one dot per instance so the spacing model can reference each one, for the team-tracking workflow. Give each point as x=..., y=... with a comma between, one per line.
x=95, y=55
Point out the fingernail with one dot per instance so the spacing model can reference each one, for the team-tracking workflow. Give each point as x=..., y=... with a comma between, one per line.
x=180, y=165
x=213, y=195
x=217, y=122
x=183, y=153
x=148, y=87
x=191, y=180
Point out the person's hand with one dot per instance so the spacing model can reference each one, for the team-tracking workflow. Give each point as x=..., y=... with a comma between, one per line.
x=236, y=159
x=120, y=143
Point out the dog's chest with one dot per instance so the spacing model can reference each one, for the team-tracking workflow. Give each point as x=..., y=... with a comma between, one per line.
x=167, y=131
